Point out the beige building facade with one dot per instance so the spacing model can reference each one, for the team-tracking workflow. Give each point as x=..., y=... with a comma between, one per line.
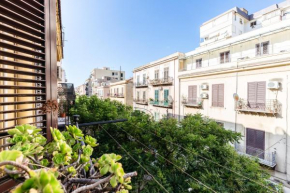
x=122, y=91
x=155, y=86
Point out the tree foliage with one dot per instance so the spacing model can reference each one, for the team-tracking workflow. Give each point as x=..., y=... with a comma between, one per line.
x=62, y=165
x=200, y=148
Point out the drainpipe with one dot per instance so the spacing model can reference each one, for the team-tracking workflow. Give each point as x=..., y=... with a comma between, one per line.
x=287, y=130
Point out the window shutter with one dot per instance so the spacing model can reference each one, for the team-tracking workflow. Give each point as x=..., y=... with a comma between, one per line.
x=261, y=94
x=220, y=95
x=215, y=95
x=194, y=94
x=252, y=94
x=28, y=63
x=156, y=95
x=255, y=142
x=258, y=50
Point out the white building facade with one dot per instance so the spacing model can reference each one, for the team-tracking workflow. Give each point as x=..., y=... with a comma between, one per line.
x=155, y=86
x=122, y=91
x=240, y=76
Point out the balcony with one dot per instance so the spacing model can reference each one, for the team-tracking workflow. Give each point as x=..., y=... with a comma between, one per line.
x=120, y=95
x=265, y=158
x=192, y=102
x=164, y=104
x=271, y=106
x=141, y=101
x=141, y=84
x=162, y=81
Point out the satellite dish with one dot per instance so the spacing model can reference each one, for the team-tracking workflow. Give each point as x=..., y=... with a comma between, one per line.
x=236, y=97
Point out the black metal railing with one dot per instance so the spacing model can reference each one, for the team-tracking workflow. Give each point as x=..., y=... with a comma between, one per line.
x=141, y=101
x=162, y=81
x=270, y=106
x=141, y=84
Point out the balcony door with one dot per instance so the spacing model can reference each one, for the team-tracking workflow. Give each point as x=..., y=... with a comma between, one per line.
x=166, y=94
x=156, y=95
x=255, y=143
x=257, y=95
x=192, y=94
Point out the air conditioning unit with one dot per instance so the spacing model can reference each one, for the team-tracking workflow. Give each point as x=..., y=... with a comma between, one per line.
x=273, y=85
x=204, y=87
x=204, y=96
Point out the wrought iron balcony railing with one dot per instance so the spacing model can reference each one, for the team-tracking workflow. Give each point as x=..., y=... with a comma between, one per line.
x=265, y=158
x=141, y=84
x=120, y=95
x=165, y=104
x=162, y=81
x=192, y=102
x=270, y=106
x=141, y=101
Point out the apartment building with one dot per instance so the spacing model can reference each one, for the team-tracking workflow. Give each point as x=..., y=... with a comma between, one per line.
x=122, y=91
x=240, y=76
x=80, y=90
x=101, y=89
x=155, y=86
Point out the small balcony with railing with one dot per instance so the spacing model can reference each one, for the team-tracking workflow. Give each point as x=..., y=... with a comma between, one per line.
x=164, y=104
x=141, y=101
x=117, y=95
x=270, y=107
x=264, y=157
x=192, y=102
x=161, y=81
x=141, y=84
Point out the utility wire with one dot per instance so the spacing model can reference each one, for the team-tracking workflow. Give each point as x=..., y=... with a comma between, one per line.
x=169, y=161
x=211, y=161
x=136, y=161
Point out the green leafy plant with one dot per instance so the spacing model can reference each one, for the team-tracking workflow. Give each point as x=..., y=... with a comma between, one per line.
x=60, y=164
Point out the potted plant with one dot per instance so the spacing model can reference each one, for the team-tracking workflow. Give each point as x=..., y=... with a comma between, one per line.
x=63, y=108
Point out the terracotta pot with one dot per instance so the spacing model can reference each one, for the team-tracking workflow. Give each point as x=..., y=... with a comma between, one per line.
x=63, y=115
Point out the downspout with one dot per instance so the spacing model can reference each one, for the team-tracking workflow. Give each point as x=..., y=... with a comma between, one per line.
x=174, y=89
x=287, y=129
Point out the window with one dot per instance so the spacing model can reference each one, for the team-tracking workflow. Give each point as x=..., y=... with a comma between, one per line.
x=156, y=74
x=144, y=95
x=253, y=24
x=156, y=95
x=199, y=63
x=138, y=95
x=113, y=73
x=225, y=57
x=218, y=95
x=166, y=94
x=116, y=73
x=192, y=94
x=122, y=74
x=255, y=142
x=241, y=21
x=262, y=48
x=166, y=73
x=144, y=78
x=138, y=79
x=257, y=95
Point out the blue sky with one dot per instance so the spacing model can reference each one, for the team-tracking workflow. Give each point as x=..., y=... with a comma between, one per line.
x=130, y=33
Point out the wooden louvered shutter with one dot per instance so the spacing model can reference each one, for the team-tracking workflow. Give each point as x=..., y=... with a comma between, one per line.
x=257, y=94
x=194, y=94
x=28, y=56
x=220, y=95
x=215, y=88
x=255, y=142
x=261, y=95
x=190, y=91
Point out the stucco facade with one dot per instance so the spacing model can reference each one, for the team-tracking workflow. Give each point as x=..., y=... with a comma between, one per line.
x=122, y=91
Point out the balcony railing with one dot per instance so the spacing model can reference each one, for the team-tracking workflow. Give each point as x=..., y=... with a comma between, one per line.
x=141, y=84
x=165, y=104
x=271, y=106
x=192, y=102
x=162, y=81
x=141, y=101
x=265, y=158
x=120, y=95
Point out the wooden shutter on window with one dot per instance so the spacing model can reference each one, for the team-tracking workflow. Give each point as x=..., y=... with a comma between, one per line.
x=255, y=142
x=257, y=94
x=215, y=95
x=220, y=95
x=192, y=94
x=28, y=69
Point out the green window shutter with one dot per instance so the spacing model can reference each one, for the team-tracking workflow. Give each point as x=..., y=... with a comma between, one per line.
x=156, y=95
x=166, y=93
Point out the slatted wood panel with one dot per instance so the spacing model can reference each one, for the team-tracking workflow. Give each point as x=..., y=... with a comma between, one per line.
x=27, y=62
x=192, y=94
x=255, y=141
x=218, y=95
x=257, y=94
